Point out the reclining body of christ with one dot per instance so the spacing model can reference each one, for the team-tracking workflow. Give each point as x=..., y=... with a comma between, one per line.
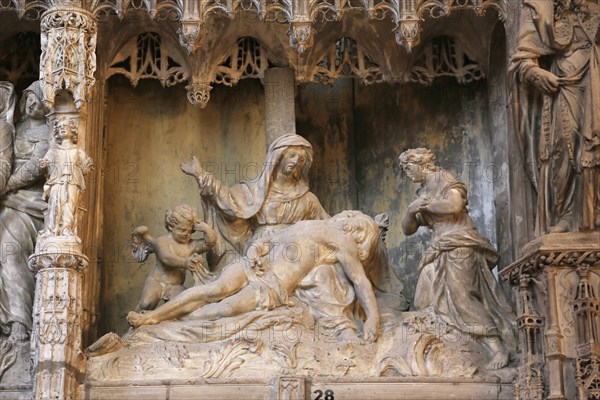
x=271, y=271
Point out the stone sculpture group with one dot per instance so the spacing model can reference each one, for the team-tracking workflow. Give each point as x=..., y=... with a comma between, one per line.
x=274, y=253
x=271, y=255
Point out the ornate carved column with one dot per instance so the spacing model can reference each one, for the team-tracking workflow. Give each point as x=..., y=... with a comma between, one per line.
x=530, y=383
x=67, y=66
x=586, y=307
x=566, y=270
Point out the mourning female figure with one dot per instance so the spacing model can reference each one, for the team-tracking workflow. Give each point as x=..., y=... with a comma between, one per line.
x=277, y=198
x=455, y=272
x=21, y=215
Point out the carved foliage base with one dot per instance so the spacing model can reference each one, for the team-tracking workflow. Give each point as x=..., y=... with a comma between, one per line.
x=267, y=347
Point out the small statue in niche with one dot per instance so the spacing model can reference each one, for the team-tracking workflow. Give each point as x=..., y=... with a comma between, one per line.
x=66, y=165
x=455, y=272
x=175, y=252
x=269, y=275
x=558, y=110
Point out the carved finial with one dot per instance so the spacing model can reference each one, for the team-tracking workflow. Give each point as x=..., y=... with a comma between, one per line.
x=301, y=36
x=190, y=33
x=407, y=32
x=198, y=93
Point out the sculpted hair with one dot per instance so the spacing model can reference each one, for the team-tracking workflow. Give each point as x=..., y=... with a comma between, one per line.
x=362, y=229
x=421, y=156
x=177, y=214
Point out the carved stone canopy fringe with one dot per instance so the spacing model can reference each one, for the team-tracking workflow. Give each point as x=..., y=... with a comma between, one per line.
x=300, y=15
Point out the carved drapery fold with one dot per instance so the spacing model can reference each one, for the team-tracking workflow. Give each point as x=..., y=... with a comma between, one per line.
x=68, y=60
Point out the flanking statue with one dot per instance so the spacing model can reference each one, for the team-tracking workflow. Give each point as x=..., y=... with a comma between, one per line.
x=21, y=205
x=558, y=56
x=455, y=277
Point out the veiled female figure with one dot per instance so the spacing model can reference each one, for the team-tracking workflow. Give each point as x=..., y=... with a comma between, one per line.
x=277, y=198
x=455, y=277
x=21, y=215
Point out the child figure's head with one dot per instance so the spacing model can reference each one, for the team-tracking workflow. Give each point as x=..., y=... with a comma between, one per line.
x=66, y=128
x=180, y=221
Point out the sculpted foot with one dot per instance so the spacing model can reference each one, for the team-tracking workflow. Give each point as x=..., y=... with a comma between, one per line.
x=18, y=332
x=499, y=360
x=561, y=227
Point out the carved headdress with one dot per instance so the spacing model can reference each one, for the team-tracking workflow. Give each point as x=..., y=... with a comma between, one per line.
x=245, y=199
x=36, y=89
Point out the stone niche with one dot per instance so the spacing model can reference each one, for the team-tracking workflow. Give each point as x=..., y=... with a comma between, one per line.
x=152, y=130
x=357, y=133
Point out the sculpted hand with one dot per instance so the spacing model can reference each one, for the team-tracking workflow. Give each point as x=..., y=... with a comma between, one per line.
x=419, y=204
x=201, y=227
x=371, y=330
x=193, y=168
x=545, y=81
x=193, y=262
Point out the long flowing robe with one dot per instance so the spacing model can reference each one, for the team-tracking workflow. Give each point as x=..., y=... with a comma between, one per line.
x=455, y=271
x=566, y=135
x=21, y=217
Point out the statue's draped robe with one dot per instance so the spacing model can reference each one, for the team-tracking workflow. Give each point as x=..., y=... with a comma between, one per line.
x=21, y=217
x=455, y=277
x=567, y=134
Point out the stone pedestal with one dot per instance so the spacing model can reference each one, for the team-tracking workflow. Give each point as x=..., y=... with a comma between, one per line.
x=280, y=114
x=58, y=362
x=558, y=280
